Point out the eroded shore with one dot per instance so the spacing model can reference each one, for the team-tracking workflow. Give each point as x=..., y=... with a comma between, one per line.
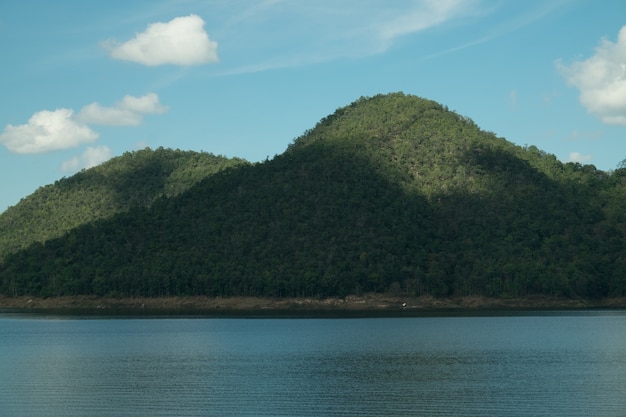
x=366, y=303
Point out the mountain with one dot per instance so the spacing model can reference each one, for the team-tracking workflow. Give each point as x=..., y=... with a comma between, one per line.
x=392, y=193
x=131, y=180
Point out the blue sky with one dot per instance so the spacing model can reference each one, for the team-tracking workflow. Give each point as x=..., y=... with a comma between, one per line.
x=83, y=81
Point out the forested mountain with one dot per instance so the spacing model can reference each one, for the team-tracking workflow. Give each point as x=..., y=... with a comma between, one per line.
x=133, y=179
x=391, y=193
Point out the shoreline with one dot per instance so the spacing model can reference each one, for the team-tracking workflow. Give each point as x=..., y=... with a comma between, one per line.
x=370, y=303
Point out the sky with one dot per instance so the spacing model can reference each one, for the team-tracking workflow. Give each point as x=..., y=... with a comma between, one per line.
x=85, y=81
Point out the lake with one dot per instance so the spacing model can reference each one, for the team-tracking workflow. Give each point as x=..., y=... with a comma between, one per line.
x=514, y=364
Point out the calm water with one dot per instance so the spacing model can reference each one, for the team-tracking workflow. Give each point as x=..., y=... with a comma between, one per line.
x=570, y=364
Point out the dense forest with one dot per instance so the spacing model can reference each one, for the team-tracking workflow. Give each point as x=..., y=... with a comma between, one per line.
x=392, y=193
x=133, y=179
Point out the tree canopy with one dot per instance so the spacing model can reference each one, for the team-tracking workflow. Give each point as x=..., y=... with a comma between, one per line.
x=133, y=179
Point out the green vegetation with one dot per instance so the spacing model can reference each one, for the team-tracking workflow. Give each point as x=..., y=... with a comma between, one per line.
x=391, y=193
x=133, y=179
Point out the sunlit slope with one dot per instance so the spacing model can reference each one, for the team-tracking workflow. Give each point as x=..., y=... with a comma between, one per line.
x=135, y=179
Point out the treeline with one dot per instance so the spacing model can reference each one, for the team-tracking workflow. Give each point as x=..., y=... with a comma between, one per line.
x=392, y=193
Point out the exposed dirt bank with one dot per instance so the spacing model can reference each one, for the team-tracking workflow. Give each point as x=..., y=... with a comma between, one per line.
x=367, y=303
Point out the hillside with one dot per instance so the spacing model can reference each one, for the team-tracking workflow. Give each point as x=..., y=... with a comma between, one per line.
x=392, y=193
x=135, y=179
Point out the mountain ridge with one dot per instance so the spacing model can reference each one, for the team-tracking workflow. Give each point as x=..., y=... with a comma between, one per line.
x=390, y=193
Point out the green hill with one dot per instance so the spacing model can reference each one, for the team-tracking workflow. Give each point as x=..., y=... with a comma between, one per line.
x=391, y=193
x=133, y=179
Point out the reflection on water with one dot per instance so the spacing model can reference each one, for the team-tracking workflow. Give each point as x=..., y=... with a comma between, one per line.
x=550, y=365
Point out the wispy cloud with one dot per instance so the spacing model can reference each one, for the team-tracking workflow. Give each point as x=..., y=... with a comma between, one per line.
x=181, y=41
x=420, y=15
x=529, y=14
x=276, y=34
x=601, y=80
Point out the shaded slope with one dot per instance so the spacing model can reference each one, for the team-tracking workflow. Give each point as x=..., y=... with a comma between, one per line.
x=509, y=220
x=268, y=229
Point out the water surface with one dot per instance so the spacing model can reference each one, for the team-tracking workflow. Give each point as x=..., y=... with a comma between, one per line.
x=549, y=364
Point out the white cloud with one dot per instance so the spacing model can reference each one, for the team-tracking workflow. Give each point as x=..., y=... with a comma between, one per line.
x=601, y=80
x=127, y=112
x=47, y=131
x=90, y=158
x=579, y=157
x=61, y=129
x=181, y=41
